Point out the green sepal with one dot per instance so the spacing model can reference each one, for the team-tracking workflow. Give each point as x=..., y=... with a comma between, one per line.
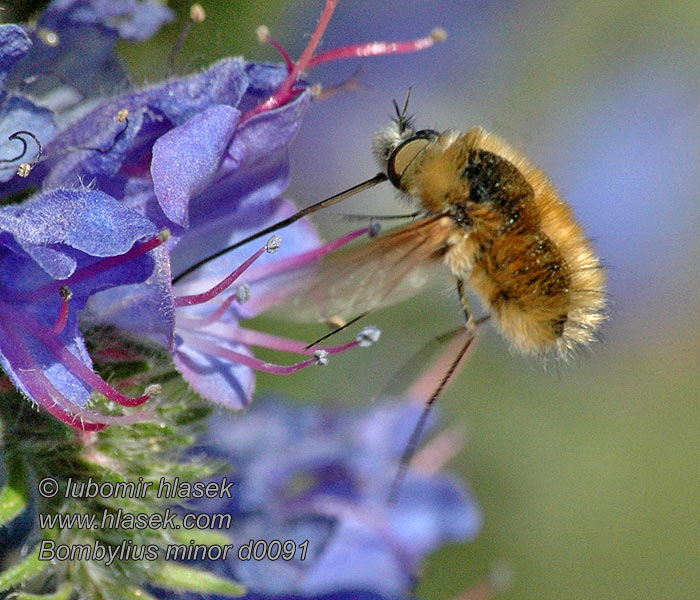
x=22, y=572
x=181, y=578
x=63, y=593
x=14, y=496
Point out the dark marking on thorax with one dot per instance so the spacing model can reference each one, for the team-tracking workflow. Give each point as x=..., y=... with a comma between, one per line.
x=496, y=183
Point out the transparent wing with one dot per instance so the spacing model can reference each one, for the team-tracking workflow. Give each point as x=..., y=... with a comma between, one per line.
x=378, y=272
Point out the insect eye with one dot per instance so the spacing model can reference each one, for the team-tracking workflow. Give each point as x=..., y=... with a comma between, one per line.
x=406, y=152
x=430, y=134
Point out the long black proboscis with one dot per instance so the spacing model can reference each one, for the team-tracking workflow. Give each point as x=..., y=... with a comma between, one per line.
x=304, y=212
x=336, y=330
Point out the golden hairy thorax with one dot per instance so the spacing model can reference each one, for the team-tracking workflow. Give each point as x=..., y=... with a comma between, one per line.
x=514, y=240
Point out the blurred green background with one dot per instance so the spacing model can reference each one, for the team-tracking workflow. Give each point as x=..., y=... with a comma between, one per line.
x=588, y=475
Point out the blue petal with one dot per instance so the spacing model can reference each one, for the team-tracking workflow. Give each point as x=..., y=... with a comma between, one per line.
x=219, y=380
x=14, y=43
x=434, y=510
x=152, y=113
x=145, y=309
x=359, y=557
x=89, y=221
x=19, y=365
x=187, y=157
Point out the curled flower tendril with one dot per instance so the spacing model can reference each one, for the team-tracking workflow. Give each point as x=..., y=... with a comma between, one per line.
x=17, y=135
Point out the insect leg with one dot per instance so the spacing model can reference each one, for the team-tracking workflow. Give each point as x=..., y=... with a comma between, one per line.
x=469, y=322
x=417, y=432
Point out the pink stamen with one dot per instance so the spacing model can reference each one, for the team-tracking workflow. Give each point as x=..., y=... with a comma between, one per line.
x=72, y=420
x=287, y=90
x=285, y=55
x=499, y=579
x=306, y=257
x=379, y=48
x=241, y=335
x=248, y=361
x=60, y=324
x=264, y=38
x=222, y=285
x=46, y=393
x=100, y=266
x=300, y=260
x=284, y=92
x=51, y=341
x=214, y=317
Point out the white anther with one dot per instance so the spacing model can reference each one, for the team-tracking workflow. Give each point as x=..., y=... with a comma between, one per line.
x=243, y=293
x=24, y=169
x=368, y=336
x=155, y=389
x=197, y=14
x=438, y=34
x=321, y=357
x=273, y=244
x=263, y=34
x=49, y=37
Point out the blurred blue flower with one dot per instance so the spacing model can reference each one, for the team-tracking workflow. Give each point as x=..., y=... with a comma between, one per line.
x=74, y=45
x=323, y=475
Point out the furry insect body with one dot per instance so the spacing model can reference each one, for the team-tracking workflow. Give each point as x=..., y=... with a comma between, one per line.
x=512, y=240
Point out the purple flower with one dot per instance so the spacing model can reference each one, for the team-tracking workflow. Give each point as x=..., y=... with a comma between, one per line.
x=304, y=473
x=56, y=250
x=205, y=156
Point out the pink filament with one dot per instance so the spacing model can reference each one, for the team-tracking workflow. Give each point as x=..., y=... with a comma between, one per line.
x=51, y=341
x=99, y=266
x=221, y=286
x=242, y=335
x=372, y=49
x=287, y=90
x=215, y=316
x=285, y=55
x=243, y=359
x=301, y=260
x=284, y=92
x=60, y=324
x=46, y=393
x=434, y=455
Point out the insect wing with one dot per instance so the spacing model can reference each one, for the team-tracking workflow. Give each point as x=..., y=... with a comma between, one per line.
x=380, y=271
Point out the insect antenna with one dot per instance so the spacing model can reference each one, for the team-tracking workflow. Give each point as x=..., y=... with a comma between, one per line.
x=337, y=330
x=304, y=212
x=402, y=118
